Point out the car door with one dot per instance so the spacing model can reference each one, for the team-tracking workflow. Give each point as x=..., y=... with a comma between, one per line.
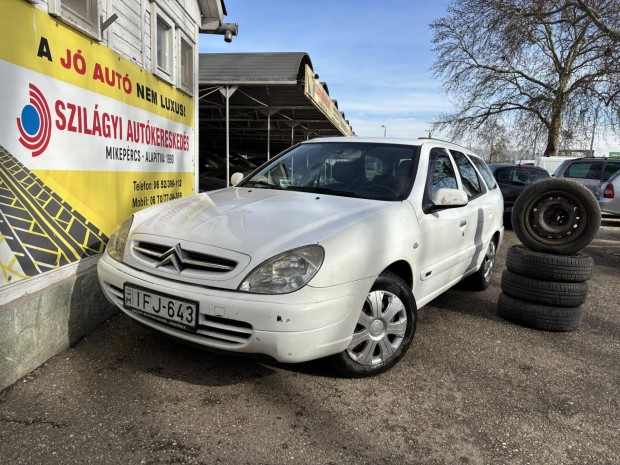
x=479, y=213
x=444, y=233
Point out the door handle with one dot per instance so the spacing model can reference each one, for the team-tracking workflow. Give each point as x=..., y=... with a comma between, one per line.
x=463, y=223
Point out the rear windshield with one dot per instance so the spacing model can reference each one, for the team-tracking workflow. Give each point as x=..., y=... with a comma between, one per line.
x=520, y=175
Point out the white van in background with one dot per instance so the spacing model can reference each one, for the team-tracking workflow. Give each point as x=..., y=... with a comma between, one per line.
x=551, y=163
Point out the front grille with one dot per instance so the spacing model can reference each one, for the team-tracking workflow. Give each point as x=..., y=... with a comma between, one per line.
x=179, y=259
x=224, y=330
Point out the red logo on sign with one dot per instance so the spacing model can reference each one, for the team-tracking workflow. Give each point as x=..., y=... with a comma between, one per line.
x=35, y=123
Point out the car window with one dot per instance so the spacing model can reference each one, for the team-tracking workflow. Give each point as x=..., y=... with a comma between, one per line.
x=611, y=167
x=584, y=170
x=520, y=175
x=441, y=174
x=485, y=172
x=469, y=177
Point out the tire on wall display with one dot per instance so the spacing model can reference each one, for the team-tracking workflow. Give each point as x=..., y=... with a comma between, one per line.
x=575, y=268
x=557, y=216
x=539, y=316
x=537, y=291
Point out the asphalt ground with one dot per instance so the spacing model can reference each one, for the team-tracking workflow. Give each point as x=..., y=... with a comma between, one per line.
x=473, y=389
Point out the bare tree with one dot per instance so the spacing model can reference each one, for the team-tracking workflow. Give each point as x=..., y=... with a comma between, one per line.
x=526, y=62
x=606, y=16
x=494, y=136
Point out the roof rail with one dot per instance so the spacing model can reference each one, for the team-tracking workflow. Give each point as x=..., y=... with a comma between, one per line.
x=446, y=141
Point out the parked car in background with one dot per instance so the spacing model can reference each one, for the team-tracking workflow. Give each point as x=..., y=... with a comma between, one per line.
x=514, y=179
x=589, y=171
x=328, y=250
x=608, y=194
x=213, y=170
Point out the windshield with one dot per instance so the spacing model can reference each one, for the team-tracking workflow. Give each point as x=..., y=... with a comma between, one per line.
x=352, y=169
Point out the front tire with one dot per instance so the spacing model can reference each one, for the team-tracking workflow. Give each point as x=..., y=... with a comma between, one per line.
x=384, y=329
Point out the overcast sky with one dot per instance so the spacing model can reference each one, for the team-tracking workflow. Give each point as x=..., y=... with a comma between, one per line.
x=374, y=55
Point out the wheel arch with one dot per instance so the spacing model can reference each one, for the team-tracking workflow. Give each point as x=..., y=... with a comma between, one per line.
x=402, y=269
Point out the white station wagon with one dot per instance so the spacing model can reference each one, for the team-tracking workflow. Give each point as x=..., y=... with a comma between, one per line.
x=327, y=250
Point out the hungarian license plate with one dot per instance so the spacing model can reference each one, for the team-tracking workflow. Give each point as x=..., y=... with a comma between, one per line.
x=167, y=309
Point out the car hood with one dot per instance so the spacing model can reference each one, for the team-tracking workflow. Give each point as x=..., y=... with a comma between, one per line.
x=255, y=222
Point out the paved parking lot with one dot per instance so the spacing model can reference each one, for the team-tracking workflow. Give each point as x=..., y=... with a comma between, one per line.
x=473, y=389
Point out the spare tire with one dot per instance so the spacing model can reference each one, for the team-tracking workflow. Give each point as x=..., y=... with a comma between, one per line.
x=557, y=216
x=575, y=268
x=539, y=316
x=542, y=292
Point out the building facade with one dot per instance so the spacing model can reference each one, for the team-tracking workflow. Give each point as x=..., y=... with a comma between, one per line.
x=98, y=121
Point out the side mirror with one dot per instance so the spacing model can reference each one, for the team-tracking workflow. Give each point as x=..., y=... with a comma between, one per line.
x=236, y=178
x=450, y=198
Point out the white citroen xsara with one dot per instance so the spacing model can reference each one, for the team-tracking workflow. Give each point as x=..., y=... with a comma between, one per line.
x=327, y=250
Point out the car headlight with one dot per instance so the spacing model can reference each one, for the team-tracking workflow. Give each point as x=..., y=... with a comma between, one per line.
x=285, y=272
x=118, y=240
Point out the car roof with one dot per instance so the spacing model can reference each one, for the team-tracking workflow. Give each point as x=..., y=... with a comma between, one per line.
x=393, y=140
x=570, y=160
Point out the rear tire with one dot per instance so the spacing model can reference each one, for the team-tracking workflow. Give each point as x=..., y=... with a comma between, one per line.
x=481, y=279
x=384, y=330
x=539, y=316
x=576, y=268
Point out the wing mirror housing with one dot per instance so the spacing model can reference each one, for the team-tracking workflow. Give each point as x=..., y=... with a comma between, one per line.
x=449, y=198
x=236, y=178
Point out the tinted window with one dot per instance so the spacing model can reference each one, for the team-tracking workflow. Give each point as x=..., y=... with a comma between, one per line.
x=584, y=170
x=519, y=175
x=610, y=168
x=469, y=177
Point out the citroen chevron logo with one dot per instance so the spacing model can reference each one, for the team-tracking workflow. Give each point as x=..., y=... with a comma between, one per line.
x=174, y=257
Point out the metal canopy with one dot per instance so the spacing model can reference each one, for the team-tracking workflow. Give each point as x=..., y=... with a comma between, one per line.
x=269, y=111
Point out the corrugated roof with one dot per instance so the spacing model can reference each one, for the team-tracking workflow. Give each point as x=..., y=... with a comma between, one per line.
x=269, y=110
x=252, y=68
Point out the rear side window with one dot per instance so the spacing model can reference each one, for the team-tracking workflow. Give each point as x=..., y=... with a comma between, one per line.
x=584, y=170
x=469, y=177
x=610, y=169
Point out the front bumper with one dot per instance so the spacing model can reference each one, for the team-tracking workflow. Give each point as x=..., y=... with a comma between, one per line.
x=304, y=325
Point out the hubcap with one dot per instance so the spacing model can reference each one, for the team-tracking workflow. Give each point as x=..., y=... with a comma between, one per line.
x=489, y=262
x=380, y=329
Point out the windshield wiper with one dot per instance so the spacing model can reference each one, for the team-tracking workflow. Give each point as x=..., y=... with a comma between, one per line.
x=261, y=185
x=322, y=190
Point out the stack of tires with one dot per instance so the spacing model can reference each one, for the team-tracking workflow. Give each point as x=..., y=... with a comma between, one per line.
x=545, y=282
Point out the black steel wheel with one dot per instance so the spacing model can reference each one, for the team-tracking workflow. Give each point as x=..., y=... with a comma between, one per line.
x=384, y=331
x=557, y=216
